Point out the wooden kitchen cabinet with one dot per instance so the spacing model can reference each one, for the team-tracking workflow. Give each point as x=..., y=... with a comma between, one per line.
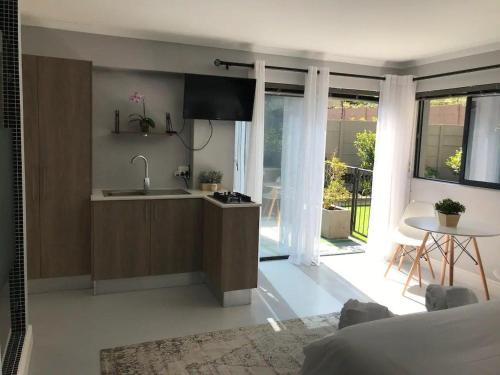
x=120, y=239
x=57, y=135
x=230, y=247
x=32, y=164
x=176, y=236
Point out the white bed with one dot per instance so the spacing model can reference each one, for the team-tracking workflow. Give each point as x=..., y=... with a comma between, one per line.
x=463, y=340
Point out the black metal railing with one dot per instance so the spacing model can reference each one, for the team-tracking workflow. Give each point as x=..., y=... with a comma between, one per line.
x=359, y=183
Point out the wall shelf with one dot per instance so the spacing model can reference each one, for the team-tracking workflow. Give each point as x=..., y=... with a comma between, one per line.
x=129, y=132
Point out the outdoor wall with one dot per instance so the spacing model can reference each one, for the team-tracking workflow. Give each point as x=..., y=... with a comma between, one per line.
x=340, y=137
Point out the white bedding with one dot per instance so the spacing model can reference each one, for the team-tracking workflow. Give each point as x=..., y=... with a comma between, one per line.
x=463, y=340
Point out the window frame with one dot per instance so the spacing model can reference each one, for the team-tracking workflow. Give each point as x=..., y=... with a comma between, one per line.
x=465, y=139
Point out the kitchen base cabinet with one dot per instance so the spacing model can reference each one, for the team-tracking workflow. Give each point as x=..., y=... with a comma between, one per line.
x=163, y=242
x=121, y=239
x=176, y=236
x=230, y=248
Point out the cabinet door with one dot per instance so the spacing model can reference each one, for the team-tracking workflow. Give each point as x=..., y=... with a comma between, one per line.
x=64, y=122
x=176, y=234
x=31, y=164
x=121, y=239
x=212, y=244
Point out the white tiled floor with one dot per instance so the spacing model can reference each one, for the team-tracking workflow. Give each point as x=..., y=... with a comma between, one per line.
x=71, y=327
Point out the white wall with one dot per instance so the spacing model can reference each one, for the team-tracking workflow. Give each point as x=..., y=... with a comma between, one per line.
x=218, y=154
x=462, y=80
x=111, y=153
x=127, y=53
x=482, y=205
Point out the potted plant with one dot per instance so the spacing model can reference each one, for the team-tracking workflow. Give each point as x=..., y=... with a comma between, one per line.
x=145, y=122
x=211, y=180
x=335, y=220
x=449, y=212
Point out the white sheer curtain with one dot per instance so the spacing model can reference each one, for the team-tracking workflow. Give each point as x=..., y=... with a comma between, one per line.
x=302, y=170
x=391, y=172
x=483, y=150
x=254, y=157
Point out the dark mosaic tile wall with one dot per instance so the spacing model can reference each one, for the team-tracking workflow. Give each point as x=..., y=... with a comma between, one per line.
x=12, y=120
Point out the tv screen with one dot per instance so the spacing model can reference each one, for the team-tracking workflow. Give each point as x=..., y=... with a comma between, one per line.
x=218, y=98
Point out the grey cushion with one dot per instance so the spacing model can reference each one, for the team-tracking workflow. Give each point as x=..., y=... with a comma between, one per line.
x=355, y=312
x=439, y=297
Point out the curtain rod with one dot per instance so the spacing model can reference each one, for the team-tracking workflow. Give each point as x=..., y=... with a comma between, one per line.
x=227, y=64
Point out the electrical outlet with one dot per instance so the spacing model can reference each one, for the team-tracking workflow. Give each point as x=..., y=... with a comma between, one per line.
x=182, y=171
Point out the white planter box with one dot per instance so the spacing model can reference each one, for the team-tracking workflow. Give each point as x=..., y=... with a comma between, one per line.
x=336, y=224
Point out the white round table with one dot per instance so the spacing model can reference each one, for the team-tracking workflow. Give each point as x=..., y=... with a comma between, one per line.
x=446, y=239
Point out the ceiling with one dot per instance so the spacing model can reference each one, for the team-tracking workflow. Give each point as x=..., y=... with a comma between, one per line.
x=382, y=32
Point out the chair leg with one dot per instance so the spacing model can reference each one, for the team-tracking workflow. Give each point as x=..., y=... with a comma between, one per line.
x=393, y=258
x=401, y=258
x=428, y=259
x=444, y=260
x=419, y=268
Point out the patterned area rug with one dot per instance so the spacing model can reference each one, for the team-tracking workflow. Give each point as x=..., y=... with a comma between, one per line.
x=274, y=348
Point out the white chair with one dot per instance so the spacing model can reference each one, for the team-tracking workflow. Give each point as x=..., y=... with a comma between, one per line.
x=408, y=239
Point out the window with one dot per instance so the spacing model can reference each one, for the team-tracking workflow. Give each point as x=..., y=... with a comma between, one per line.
x=482, y=151
x=458, y=140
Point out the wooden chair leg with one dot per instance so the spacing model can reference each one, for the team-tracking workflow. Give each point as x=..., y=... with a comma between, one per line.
x=444, y=260
x=271, y=207
x=481, y=269
x=420, y=250
x=402, y=257
x=428, y=259
x=419, y=268
x=452, y=260
x=393, y=258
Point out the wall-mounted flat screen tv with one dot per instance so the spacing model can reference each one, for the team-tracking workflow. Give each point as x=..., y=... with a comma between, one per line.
x=218, y=98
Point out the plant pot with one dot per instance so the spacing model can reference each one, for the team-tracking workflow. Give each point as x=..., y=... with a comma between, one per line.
x=145, y=128
x=450, y=220
x=210, y=187
x=336, y=223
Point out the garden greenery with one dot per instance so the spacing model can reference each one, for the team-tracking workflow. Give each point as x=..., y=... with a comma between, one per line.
x=365, y=148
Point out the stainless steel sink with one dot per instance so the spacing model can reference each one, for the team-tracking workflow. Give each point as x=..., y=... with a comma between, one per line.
x=127, y=193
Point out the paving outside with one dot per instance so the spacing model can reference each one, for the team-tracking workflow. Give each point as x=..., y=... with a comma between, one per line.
x=269, y=242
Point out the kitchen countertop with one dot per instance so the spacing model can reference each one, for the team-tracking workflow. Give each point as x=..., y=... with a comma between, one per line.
x=98, y=196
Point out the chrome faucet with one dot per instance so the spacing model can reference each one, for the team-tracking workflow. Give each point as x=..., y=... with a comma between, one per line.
x=146, y=170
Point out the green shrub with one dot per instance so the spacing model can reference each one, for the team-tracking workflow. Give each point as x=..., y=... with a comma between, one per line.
x=335, y=191
x=365, y=148
x=455, y=161
x=430, y=172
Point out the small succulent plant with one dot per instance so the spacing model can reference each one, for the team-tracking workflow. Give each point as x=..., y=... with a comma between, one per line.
x=449, y=207
x=211, y=177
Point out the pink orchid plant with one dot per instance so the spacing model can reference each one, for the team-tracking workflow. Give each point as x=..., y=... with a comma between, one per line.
x=145, y=122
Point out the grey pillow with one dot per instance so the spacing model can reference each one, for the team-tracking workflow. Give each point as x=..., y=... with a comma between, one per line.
x=355, y=312
x=439, y=297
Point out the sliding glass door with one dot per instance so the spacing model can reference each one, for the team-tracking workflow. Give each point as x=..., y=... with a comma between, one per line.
x=280, y=112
